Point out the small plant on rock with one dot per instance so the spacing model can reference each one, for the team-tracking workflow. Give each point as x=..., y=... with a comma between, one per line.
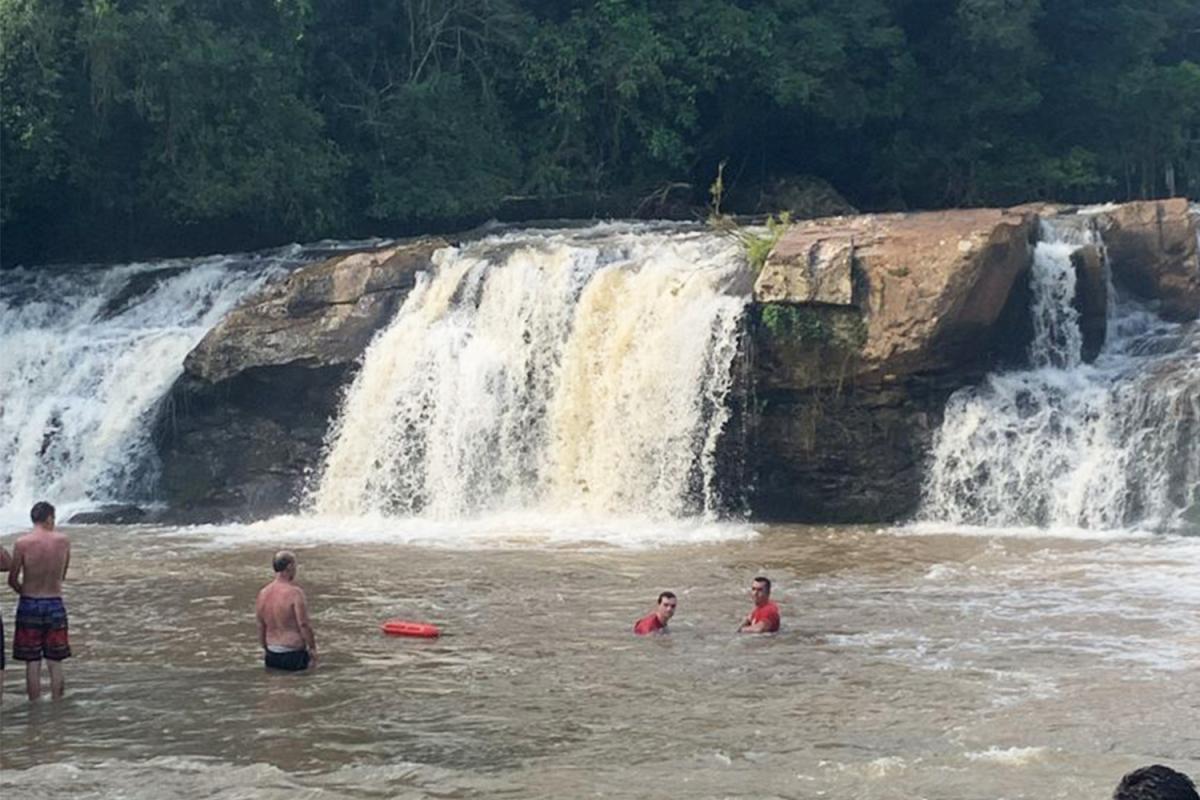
x=757, y=246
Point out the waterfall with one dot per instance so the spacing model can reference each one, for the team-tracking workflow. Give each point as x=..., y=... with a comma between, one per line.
x=86, y=355
x=1065, y=444
x=548, y=371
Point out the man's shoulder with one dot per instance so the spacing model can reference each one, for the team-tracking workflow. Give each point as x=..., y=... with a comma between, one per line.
x=767, y=609
x=283, y=590
x=648, y=622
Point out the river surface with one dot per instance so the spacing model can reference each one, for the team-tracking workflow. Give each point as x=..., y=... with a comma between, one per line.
x=911, y=664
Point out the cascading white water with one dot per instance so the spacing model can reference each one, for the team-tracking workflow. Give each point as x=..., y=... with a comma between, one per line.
x=86, y=354
x=583, y=371
x=1106, y=445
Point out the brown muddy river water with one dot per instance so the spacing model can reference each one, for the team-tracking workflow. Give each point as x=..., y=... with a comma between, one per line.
x=910, y=665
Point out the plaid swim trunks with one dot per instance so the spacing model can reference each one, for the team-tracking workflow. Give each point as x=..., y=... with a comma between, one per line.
x=41, y=630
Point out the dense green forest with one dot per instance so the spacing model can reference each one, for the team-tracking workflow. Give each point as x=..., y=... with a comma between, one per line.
x=139, y=126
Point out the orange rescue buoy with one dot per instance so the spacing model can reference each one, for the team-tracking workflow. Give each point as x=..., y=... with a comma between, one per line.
x=403, y=627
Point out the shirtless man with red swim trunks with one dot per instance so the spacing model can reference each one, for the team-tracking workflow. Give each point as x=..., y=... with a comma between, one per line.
x=39, y=565
x=765, y=616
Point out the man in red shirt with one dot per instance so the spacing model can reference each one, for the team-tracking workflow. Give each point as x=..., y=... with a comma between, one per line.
x=765, y=616
x=656, y=620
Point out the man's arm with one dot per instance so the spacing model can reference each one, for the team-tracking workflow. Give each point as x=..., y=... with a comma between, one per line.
x=310, y=639
x=753, y=627
x=67, y=560
x=15, y=568
x=260, y=621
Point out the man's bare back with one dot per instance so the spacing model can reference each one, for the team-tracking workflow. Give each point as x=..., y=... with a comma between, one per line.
x=39, y=563
x=279, y=609
x=284, y=630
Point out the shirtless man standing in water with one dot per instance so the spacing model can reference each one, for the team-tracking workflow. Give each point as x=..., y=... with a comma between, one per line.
x=39, y=565
x=284, y=631
x=5, y=563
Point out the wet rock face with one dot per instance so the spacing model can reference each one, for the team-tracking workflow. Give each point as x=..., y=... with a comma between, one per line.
x=245, y=448
x=826, y=446
x=1152, y=247
x=849, y=390
x=319, y=316
x=1091, y=299
x=848, y=396
x=808, y=267
x=242, y=431
x=861, y=329
x=111, y=515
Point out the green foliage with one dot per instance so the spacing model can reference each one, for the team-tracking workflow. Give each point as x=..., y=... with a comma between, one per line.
x=806, y=325
x=757, y=245
x=313, y=117
x=801, y=325
x=37, y=102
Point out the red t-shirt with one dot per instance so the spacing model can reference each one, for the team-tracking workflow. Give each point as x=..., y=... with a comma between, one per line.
x=648, y=624
x=768, y=612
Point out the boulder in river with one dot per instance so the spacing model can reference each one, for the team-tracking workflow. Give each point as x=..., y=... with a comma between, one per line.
x=244, y=427
x=1153, y=249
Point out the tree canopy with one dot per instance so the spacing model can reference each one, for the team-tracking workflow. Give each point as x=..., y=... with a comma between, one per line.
x=136, y=125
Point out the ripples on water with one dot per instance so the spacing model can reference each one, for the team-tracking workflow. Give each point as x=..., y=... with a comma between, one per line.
x=914, y=665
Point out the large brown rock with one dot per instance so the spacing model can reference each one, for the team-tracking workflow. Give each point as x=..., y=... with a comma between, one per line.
x=243, y=429
x=1152, y=248
x=928, y=284
x=321, y=315
x=808, y=265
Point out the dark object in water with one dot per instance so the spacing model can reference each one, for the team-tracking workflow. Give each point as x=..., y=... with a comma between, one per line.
x=109, y=515
x=1155, y=782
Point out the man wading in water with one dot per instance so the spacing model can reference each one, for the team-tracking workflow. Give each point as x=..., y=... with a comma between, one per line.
x=5, y=563
x=656, y=621
x=39, y=565
x=765, y=616
x=284, y=631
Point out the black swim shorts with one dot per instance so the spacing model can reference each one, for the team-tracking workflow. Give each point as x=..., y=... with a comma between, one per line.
x=292, y=661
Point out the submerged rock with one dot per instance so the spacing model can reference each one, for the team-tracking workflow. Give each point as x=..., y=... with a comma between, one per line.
x=110, y=515
x=137, y=287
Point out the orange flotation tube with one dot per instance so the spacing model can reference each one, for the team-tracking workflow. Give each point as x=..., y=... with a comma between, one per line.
x=403, y=627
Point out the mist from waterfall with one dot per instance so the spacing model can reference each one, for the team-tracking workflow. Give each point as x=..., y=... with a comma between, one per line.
x=86, y=356
x=581, y=371
x=1065, y=444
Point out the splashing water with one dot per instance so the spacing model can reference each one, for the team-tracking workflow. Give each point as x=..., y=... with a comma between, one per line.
x=582, y=371
x=86, y=354
x=1070, y=445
